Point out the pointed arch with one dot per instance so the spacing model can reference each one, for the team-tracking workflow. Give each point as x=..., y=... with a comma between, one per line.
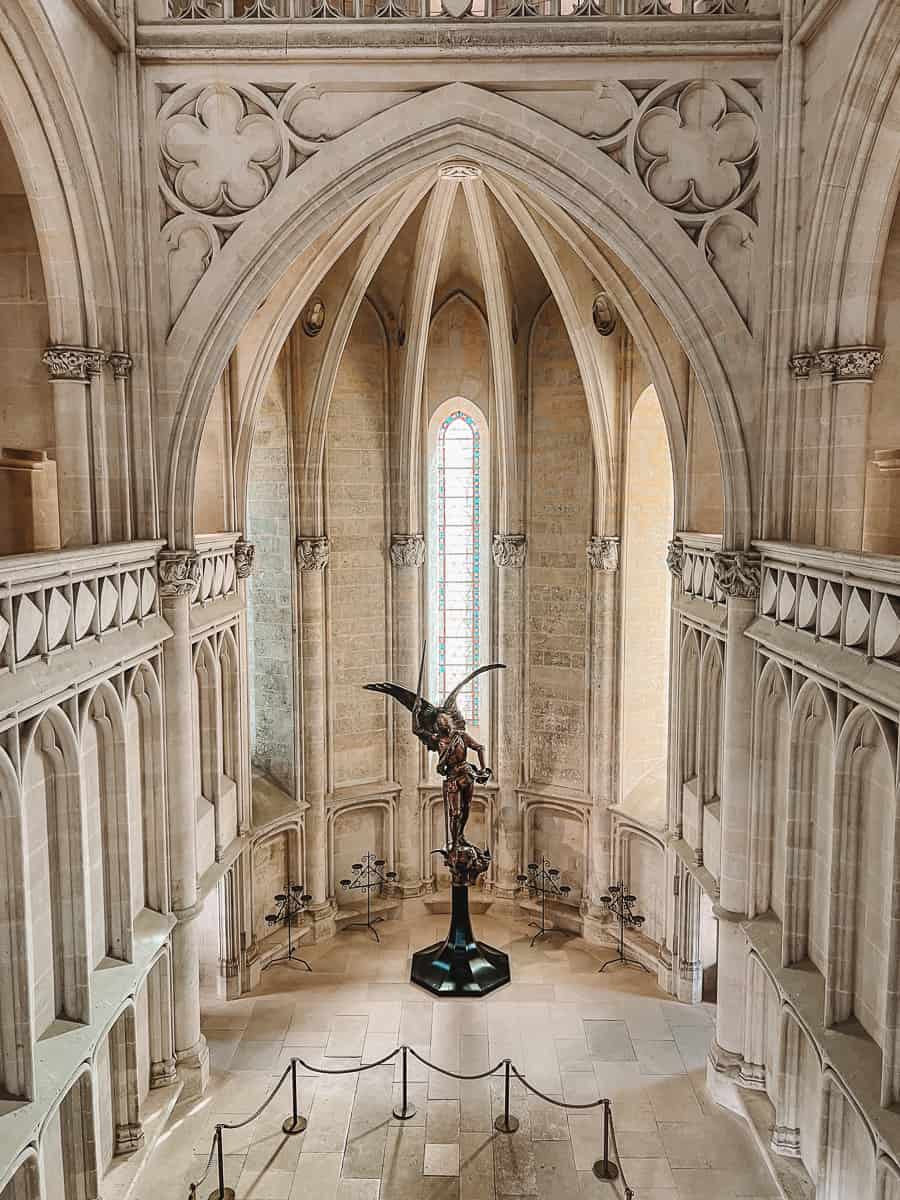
x=458, y=120
x=768, y=793
x=146, y=791
x=16, y=1066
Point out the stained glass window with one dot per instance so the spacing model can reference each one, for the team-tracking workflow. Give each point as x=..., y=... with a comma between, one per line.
x=455, y=557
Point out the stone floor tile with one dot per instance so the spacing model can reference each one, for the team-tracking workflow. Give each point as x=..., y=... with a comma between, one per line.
x=476, y=1166
x=549, y=1122
x=358, y=1189
x=658, y=1058
x=645, y=1021
x=347, y=1037
x=608, y=1041
x=598, y=1189
x=586, y=1133
x=580, y=1088
x=404, y=1159
x=441, y=1158
x=572, y=1055
x=417, y=1094
x=265, y=1184
x=442, y=1124
x=647, y=1172
x=317, y=1175
x=255, y=1056
x=672, y=1098
x=645, y=1143
x=554, y=1169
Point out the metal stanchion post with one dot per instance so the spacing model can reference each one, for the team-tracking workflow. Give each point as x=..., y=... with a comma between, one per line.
x=295, y=1123
x=603, y=1168
x=222, y=1192
x=404, y=1110
x=506, y=1123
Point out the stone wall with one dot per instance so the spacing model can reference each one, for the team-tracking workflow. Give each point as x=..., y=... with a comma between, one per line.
x=270, y=604
x=559, y=528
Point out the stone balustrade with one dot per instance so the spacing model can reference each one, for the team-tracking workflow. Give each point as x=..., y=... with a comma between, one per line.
x=218, y=572
x=849, y=600
x=367, y=10
x=51, y=601
x=692, y=559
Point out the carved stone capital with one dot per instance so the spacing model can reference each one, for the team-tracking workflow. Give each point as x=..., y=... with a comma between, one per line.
x=407, y=550
x=244, y=553
x=313, y=553
x=179, y=572
x=737, y=573
x=802, y=364
x=75, y=363
x=509, y=549
x=850, y=363
x=603, y=553
x=121, y=364
x=675, y=557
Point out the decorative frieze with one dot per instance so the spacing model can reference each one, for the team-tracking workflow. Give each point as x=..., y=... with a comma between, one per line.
x=407, y=550
x=848, y=364
x=244, y=553
x=737, y=573
x=802, y=364
x=179, y=573
x=75, y=363
x=675, y=557
x=603, y=553
x=509, y=549
x=121, y=364
x=313, y=553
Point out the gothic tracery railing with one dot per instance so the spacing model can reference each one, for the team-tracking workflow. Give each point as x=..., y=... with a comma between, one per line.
x=292, y=10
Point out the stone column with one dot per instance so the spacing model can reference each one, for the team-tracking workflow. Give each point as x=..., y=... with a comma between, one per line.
x=603, y=560
x=852, y=370
x=244, y=554
x=509, y=550
x=72, y=370
x=179, y=575
x=312, y=559
x=162, y=1049
x=229, y=982
x=407, y=558
x=737, y=575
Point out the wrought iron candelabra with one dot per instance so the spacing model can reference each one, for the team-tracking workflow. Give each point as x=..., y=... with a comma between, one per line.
x=543, y=880
x=291, y=903
x=621, y=905
x=369, y=877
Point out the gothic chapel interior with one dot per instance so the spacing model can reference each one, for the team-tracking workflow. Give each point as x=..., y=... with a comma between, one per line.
x=350, y=341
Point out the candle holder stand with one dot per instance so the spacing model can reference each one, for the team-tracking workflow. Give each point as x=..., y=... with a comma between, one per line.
x=369, y=877
x=291, y=903
x=543, y=880
x=621, y=905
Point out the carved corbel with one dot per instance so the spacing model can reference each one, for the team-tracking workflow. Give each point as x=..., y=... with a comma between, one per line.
x=313, y=553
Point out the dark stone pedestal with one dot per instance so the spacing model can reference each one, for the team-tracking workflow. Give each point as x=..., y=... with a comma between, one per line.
x=460, y=966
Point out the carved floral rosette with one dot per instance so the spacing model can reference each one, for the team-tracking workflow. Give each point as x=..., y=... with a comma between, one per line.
x=509, y=549
x=179, y=573
x=313, y=553
x=121, y=364
x=407, y=550
x=244, y=553
x=675, y=557
x=737, y=573
x=75, y=363
x=603, y=553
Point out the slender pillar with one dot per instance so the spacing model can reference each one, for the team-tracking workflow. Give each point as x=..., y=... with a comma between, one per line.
x=312, y=559
x=737, y=576
x=603, y=560
x=509, y=550
x=407, y=559
x=162, y=1047
x=72, y=370
x=179, y=574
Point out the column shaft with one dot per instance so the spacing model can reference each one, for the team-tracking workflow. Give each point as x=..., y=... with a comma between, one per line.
x=509, y=556
x=406, y=557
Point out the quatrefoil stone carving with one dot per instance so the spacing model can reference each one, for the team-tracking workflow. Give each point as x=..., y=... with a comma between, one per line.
x=696, y=149
x=221, y=152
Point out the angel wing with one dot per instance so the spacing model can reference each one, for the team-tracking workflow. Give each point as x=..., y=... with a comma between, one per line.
x=449, y=705
x=427, y=712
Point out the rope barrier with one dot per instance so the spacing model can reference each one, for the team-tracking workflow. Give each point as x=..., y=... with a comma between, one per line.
x=604, y=1168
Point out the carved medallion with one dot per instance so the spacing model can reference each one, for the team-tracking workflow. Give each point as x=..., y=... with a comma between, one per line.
x=604, y=314
x=313, y=318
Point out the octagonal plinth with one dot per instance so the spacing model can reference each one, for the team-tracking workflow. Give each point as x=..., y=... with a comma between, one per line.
x=460, y=966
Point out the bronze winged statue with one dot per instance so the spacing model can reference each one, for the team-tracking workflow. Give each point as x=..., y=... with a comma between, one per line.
x=442, y=729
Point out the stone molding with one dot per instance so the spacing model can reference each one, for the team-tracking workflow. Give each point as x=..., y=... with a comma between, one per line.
x=179, y=572
x=407, y=550
x=848, y=364
x=163, y=1073
x=675, y=557
x=129, y=1138
x=786, y=1141
x=603, y=553
x=313, y=553
x=845, y=364
x=244, y=553
x=737, y=573
x=75, y=363
x=121, y=364
x=509, y=549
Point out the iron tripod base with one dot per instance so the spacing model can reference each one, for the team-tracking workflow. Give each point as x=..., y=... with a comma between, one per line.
x=370, y=925
x=626, y=962
x=544, y=930
x=290, y=957
x=460, y=966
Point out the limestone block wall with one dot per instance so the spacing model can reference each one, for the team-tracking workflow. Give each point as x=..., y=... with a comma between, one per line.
x=270, y=603
x=559, y=525
x=357, y=508
x=355, y=831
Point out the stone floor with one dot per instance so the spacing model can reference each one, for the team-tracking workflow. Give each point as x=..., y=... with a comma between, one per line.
x=576, y=1035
